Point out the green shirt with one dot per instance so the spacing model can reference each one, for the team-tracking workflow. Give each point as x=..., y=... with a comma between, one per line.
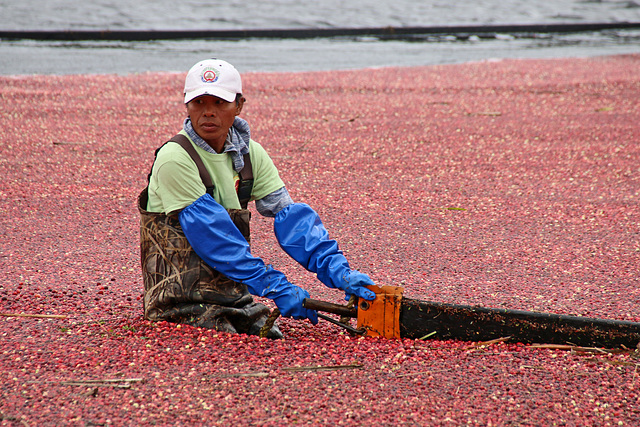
x=175, y=182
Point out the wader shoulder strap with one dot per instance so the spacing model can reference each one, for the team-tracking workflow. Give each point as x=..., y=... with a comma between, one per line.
x=183, y=141
x=246, y=182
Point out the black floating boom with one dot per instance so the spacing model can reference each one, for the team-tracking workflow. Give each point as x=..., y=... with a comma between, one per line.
x=306, y=33
x=467, y=323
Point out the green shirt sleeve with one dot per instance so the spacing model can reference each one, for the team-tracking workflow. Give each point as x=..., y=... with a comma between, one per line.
x=175, y=182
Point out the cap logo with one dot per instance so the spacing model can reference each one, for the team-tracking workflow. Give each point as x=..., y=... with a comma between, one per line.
x=209, y=75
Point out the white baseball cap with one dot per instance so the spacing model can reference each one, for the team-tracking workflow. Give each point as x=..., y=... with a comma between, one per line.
x=212, y=77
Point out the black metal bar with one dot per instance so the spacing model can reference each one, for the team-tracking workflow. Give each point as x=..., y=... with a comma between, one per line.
x=305, y=33
x=351, y=329
x=329, y=307
x=468, y=323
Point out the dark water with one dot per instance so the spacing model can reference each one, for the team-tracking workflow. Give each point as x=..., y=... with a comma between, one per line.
x=47, y=57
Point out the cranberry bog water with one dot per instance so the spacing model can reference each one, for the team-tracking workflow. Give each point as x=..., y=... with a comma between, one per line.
x=510, y=184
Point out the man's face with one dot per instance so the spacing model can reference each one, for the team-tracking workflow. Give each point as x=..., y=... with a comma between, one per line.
x=211, y=118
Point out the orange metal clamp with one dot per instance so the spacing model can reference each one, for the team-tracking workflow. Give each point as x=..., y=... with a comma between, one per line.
x=381, y=317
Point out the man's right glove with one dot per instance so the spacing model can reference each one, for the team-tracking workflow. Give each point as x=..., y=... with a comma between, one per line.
x=216, y=239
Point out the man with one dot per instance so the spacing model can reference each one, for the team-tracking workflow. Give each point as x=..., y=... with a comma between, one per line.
x=195, y=254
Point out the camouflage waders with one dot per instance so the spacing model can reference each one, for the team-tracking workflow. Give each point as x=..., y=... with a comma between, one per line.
x=180, y=287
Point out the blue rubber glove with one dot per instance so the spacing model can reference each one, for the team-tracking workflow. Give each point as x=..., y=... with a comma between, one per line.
x=301, y=234
x=216, y=239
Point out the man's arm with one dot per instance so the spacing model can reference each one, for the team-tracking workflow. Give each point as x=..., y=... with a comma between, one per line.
x=302, y=235
x=216, y=239
x=273, y=203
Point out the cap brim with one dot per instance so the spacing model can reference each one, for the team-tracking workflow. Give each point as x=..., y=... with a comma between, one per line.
x=213, y=91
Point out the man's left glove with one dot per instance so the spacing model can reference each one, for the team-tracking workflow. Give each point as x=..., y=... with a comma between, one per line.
x=302, y=235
